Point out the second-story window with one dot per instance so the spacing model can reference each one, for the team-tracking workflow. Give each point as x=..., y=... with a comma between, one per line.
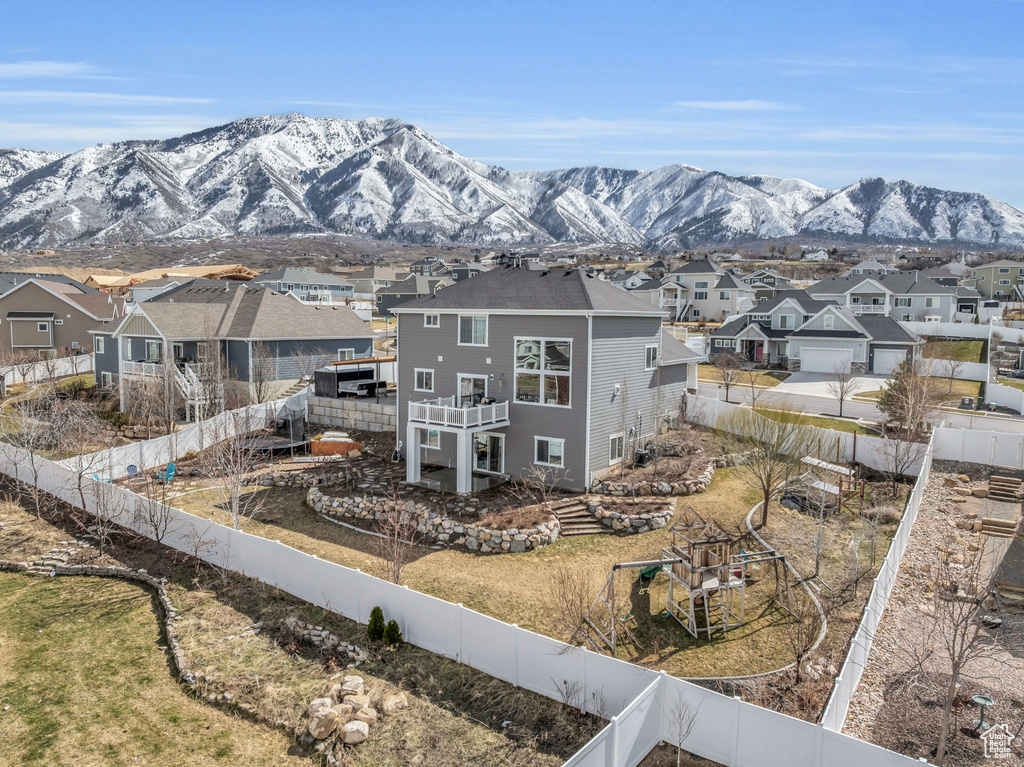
x=830, y=322
x=543, y=371
x=431, y=320
x=651, y=361
x=99, y=344
x=473, y=330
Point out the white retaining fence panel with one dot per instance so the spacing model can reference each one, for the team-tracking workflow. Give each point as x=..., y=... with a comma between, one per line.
x=947, y=329
x=76, y=364
x=843, y=447
x=996, y=448
x=860, y=646
x=642, y=703
x=1006, y=396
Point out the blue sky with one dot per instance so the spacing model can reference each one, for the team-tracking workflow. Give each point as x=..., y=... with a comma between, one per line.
x=827, y=91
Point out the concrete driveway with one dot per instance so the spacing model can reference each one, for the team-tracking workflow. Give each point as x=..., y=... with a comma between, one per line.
x=816, y=384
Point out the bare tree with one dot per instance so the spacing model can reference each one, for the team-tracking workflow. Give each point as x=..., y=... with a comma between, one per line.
x=773, y=450
x=803, y=631
x=153, y=517
x=262, y=372
x=397, y=528
x=683, y=717
x=900, y=458
x=230, y=463
x=950, y=369
x=728, y=365
x=842, y=385
x=955, y=645
x=572, y=591
x=755, y=391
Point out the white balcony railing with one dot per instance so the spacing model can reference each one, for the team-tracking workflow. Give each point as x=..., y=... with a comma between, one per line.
x=142, y=368
x=869, y=308
x=445, y=412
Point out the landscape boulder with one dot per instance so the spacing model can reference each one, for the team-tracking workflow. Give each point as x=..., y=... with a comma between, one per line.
x=323, y=722
x=395, y=703
x=355, y=732
x=358, y=701
x=368, y=715
x=319, y=703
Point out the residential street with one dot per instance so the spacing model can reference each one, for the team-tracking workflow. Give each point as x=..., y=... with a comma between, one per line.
x=824, y=405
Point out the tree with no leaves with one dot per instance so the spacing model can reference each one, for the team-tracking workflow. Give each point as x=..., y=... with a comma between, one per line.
x=231, y=462
x=729, y=367
x=772, y=450
x=842, y=385
x=950, y=369
x=397, y=528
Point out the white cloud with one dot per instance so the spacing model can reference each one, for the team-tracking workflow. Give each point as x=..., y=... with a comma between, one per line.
x=48, y=69
x=77, y=98
x=747, y=105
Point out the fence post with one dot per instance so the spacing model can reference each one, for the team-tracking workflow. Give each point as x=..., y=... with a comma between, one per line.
x=458, y=630
x=515, y=654
x=736, y=735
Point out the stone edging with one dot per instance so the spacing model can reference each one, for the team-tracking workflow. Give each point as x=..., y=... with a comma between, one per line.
x=439, y=528
x=632, y=524
x=655, y=487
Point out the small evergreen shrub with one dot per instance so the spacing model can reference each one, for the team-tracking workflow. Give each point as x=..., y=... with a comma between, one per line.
x=392, y=634
x=375, y=629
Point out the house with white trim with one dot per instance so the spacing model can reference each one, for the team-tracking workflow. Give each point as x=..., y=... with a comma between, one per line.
x=254, y=334
x=531, y=372
x=47, y=316
x=797, y=332
x=905, y=296
x=711, y=293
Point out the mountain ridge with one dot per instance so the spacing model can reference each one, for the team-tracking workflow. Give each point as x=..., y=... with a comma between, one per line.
x=387, y=178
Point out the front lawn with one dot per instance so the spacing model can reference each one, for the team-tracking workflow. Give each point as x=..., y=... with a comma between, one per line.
x=962, y=351
x=764, y=378
x=835, y=424
x=943, y=386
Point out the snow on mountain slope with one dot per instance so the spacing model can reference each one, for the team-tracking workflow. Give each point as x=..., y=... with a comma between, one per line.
x=386, y=178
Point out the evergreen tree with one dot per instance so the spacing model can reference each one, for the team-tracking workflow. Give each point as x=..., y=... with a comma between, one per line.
x=375, y=629
x=392, y=634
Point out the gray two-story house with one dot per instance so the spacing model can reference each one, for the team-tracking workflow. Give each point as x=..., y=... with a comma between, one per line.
x=306, y=284
x=905, y=296
x=529, y=372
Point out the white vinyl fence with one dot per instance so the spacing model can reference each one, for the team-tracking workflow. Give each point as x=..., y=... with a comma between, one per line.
x=148, y=454
x=996, y=448
x=44, y=370
x=1006, y=396
x=860, y=646
x=643, y=704
x=947, y=329
x=965, y=371
x=876, y=453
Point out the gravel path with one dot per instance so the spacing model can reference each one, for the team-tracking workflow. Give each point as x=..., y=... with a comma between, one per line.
x=877, y=714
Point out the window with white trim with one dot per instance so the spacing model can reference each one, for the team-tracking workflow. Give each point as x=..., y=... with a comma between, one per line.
x=785, y=321
x=473, y=330
x=549, y=452
x=98, y=344
x=616, y=448
x=424, y=380
x=723, y=295
x=700, y=284
x=152, y=351
x=651, y=357
x=902, y=302
x=106, y=380
x=431, y=320
x=346, y=354
x=931, y=302
x=431, y=438
x=700, y=295
x=830, y=321
x=42, y=327
x=1004, y=282
x=543, y=370
x=1004, y=270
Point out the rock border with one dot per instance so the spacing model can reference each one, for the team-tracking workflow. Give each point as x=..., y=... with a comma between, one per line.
x=632, y=524
x=438, y=528
x=654, y=487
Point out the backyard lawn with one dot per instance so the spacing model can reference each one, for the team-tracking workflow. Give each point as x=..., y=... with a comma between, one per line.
x=519, y=588
x=1016, y=383
x=87, y=683
x=964, y=350
x=767, y=378
x=836, y=424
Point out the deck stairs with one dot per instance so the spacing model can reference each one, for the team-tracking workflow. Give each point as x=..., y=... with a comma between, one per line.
x=575, y=519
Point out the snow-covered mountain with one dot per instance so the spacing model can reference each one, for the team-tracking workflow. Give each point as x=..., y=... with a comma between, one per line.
x=386, y=178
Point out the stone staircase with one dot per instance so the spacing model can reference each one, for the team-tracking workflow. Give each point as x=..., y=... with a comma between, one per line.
x=1004, y=489
x=999, y=528
x=295, y=388
x=574, y=518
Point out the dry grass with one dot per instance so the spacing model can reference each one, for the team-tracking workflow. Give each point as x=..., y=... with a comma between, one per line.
x=764, y=378
x=517, y=587
x=82, y=670
x=456, y=714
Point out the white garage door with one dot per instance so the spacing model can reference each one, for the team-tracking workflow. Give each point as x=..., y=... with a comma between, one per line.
x=825, y=360
x=887, y=360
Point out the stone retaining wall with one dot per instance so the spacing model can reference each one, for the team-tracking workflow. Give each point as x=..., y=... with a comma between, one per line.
x=658, y=487
x=437, y=528
x=631, y=524
x=353, y=413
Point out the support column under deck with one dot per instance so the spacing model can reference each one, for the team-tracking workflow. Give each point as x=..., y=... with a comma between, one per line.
x=412, y=453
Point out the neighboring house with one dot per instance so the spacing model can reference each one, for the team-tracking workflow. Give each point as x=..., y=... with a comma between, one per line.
x=766, y=283
x=47, y=318
x=306, y=285
x=907, y=296
x=1002, y=280
x=228, y=272
x=667, y=295
x=711, y=294
x=463, y=271
x=431, y=266
x=368, y=281
x=145, y=291
x=118, y=284
x=817, y=256
x=400, y=292
x=942, y=275
x=657, y=270
x=803, y=334
x=628, y=280
x=873, y=267
x=528, y=372
x=261, y=338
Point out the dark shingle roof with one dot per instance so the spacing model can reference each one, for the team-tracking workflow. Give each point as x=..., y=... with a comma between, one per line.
x=533, y=288
x=297, y=275
x=886, y=329
x=901, y=283
x=414, y=285
x=10, y=280
x=701, y=266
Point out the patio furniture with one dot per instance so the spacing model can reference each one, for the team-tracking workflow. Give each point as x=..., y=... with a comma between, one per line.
x=166, y=475
x=134, y=475
x=105, y=480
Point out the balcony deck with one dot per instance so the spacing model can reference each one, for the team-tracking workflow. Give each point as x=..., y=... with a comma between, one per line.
x=444, y=411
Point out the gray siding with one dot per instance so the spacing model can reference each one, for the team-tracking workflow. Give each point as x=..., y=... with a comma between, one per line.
x=107, y=361
x=619, y=355
x=422, y=347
